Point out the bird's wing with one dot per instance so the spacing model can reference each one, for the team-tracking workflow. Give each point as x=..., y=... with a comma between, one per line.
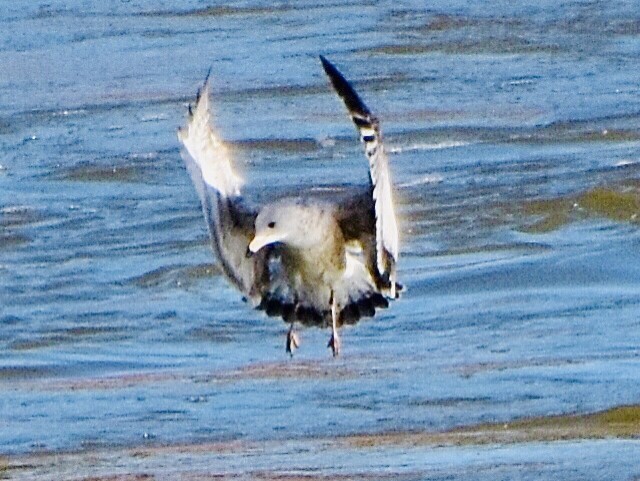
x=386, y=228
x=204, y=147
x=229, y=219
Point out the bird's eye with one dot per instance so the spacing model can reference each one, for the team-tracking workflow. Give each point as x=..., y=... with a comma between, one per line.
x=271, y=225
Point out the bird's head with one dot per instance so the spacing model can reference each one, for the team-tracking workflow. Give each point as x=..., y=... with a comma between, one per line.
x=294, y=224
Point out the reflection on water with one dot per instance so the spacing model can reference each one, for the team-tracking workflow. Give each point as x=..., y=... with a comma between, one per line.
x=514, y=139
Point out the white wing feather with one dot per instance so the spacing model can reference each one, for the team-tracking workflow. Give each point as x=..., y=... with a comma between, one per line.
x=207, y=150
x=386, y=225
x=369, y=128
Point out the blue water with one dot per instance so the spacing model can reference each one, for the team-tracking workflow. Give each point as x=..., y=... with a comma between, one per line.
x=116, y=328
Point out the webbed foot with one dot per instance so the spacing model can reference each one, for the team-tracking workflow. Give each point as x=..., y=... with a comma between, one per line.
x=293, y=341
x=334, y=343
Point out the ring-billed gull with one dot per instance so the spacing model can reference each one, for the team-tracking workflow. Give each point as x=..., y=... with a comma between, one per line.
x=305, y=258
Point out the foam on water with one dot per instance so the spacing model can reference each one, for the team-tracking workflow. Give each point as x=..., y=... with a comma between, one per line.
x=424, y=146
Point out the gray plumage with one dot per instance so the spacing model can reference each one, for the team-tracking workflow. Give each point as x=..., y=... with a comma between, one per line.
x=313, y=260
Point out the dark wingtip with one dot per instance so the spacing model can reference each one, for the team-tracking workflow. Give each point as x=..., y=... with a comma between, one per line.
x=337, y=79
x=204, y=85
x=352, y=100
x=206, y=79
x=326, y=65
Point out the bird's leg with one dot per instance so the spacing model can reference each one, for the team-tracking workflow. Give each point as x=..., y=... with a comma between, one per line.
x=293, y=342
x=334, y=342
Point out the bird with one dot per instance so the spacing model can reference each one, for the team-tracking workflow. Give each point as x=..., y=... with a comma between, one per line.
x=310, y=259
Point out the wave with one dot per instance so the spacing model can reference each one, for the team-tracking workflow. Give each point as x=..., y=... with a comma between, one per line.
x=448, y=144
x=425, y=179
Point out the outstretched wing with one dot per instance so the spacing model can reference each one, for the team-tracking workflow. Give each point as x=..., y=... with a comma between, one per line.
x=230, y=221
x=206, y=150
x=386, y=228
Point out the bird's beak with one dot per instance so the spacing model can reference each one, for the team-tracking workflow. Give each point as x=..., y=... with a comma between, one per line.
x=264, y=239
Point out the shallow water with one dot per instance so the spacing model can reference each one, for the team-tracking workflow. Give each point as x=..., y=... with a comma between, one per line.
x=514, y=139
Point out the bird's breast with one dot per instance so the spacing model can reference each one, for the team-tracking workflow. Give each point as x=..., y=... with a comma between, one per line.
x=323, y=264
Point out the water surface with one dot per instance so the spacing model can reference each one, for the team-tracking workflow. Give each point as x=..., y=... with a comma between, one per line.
x=514, y=138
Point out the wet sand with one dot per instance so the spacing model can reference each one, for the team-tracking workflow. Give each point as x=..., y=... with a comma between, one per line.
x=208, y=460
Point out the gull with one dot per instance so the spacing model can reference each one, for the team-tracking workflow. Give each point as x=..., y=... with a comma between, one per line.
x=309, y=259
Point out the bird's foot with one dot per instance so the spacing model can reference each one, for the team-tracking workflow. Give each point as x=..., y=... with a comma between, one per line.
x=334, y=343
x=293, y=341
